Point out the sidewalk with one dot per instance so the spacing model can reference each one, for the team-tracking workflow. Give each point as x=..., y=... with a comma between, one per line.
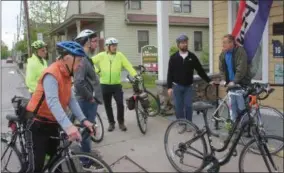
x=132, y=151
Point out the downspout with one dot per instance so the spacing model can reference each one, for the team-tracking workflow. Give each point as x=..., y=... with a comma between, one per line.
x=125, y=11
x=79, y=7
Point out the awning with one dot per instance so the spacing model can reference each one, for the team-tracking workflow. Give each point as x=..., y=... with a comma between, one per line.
x=92, y=17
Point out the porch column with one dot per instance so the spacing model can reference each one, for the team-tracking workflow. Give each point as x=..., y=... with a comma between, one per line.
x=163, y=39
x=66, y=34
x=78, y=26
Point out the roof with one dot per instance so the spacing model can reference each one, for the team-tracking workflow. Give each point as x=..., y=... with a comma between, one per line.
x=84, y=17
x=173, y=20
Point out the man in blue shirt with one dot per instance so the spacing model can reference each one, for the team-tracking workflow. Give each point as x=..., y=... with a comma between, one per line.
x=234, y=69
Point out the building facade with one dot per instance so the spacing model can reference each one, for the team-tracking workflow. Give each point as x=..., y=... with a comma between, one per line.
x=265, y=63
x=134, y=23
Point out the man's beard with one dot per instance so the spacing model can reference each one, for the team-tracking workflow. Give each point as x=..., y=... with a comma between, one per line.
x=184, y=49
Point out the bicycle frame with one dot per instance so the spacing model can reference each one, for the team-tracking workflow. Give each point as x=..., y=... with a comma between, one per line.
x=65, y=150
x=206, y=130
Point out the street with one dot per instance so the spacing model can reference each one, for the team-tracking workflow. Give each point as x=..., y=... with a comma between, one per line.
x=125, y=151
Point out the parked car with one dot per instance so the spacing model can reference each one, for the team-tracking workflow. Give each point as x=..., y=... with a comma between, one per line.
x=9, y=60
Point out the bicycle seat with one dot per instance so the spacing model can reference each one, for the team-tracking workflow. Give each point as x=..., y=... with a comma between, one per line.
x=11, y=117
x=201, y=106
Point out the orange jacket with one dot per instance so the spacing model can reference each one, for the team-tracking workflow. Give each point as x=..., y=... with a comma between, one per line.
x=59, y=71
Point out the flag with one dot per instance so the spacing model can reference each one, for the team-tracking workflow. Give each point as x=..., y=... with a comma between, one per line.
x=250, y=24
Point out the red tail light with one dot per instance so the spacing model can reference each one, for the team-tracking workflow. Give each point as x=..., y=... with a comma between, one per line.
x=13, y=126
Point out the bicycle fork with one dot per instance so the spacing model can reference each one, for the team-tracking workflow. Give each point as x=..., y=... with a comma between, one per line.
x=261, y=143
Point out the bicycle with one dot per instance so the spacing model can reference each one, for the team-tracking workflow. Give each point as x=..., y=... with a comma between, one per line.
x=98, y=125
x=20, y=126
x=221, y=117
x=209, y=162
x=141, y=96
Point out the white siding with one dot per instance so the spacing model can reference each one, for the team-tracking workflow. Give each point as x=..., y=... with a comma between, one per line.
x=198, y=9
x=115, y=26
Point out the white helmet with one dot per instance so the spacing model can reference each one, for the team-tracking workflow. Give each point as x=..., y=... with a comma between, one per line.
x=110, y=41
x=85, y=33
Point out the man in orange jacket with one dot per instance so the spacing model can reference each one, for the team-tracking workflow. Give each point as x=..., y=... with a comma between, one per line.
x=50, y=100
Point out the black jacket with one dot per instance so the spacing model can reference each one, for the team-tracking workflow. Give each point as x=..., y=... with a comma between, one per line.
x=181, y=71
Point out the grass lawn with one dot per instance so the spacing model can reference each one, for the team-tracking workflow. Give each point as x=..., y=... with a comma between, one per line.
x=149, y=81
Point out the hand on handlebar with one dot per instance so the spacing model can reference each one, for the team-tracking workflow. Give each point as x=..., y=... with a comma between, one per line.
x=73, y=133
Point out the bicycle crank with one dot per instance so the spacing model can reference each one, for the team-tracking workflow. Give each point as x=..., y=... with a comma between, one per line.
x=211, y=164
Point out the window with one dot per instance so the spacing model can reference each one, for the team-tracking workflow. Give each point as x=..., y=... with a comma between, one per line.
x=197, y=41
x=134, y=4
x=143, y=39
x=182, y=6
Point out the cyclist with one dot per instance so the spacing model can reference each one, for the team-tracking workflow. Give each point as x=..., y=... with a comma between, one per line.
x=234, y=69
x=36, y=64
x=110, y=63
x=180, y=78
x=50, y=99
x=86, y=82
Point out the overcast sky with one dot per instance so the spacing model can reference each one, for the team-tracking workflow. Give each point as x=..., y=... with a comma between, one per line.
x=10, y=10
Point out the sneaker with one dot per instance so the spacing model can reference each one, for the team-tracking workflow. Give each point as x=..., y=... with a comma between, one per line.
x=94, y=167
x=111, y=127
x=122, y=127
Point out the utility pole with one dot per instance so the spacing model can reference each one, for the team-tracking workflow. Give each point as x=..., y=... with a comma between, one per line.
x=26, y=10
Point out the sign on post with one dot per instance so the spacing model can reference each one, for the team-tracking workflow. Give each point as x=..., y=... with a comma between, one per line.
x=278, y=49
x=39, y=36
x=150, y=58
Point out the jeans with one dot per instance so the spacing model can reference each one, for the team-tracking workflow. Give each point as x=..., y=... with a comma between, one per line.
x=90, y=110
x=236, y=103
x=183, y=101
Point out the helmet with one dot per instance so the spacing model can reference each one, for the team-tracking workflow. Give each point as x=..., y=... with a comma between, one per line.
x=70, y=47
x=181, y=38
x=87, y=33
x=38, y=44
x=111, y=41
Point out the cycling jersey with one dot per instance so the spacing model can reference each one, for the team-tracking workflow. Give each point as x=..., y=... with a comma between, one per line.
x=110, y=67
x=34, y=69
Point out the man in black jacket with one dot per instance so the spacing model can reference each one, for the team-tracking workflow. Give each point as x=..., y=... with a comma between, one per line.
x=180, y=78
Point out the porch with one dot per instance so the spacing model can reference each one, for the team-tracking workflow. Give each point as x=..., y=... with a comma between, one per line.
x=72, y=26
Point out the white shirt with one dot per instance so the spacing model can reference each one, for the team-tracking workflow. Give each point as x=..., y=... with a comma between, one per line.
x=183, y=54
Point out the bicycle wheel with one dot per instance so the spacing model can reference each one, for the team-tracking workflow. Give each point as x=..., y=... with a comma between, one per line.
x=93, y=164
x=250, y=158
x=100, y=130
x=155, y=106
x=272, y=124
x=10, y=156
x=141, y=116
x=185, y=143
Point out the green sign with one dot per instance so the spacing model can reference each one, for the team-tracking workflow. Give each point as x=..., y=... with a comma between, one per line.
x=150, y=58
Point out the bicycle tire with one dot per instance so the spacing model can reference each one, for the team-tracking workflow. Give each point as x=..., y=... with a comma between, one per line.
x=157, y=101
x=80, y=155
x=102, y=130
x=139, y=123
x=96, y=140
x=250, y=143
x=15, y=150
x=168, y=152
x=277, y=114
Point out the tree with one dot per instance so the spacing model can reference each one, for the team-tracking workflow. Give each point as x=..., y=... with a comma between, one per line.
x=4, y=50
x=47, y=12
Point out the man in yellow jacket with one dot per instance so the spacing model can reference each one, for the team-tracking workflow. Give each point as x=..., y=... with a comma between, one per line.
x=36, y=64
x=110, y=64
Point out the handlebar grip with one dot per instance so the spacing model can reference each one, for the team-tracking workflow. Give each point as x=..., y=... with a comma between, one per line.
x=142, y=68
